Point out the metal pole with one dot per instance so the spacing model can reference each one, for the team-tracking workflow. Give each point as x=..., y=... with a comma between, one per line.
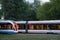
x=1, y=7
x=3, y=15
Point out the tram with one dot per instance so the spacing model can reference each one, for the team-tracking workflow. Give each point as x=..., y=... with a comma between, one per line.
x=8, y=27
x=51, y=26
x=48, y=26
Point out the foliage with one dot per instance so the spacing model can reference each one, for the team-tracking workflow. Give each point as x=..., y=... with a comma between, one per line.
x=37, y=5
x=49, y=10
x=0, y=1
x=17, y=10
x=55, y=9
x=21, y=10
x=43, y=11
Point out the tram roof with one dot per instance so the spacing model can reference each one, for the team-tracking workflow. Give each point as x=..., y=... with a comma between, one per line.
x=20, y=22
x=5, y=21
x=45, y=22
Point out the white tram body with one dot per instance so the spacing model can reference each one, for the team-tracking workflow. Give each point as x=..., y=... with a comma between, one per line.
x=48, y=26
x=50, y=22
x=7, y=27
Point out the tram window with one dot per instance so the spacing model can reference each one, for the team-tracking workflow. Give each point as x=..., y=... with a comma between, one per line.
x=5, y=26
x=45, y=27
x=0, y=26
x=35, y=27
x=58, y=26
x=21, y=26
x=30, y=26
x=38, y=27
x=53, y=27
x=9, y=26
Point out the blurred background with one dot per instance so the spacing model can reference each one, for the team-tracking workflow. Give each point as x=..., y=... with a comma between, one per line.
x=28, y=10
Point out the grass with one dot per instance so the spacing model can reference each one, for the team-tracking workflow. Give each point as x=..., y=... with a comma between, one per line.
x=29, y=37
